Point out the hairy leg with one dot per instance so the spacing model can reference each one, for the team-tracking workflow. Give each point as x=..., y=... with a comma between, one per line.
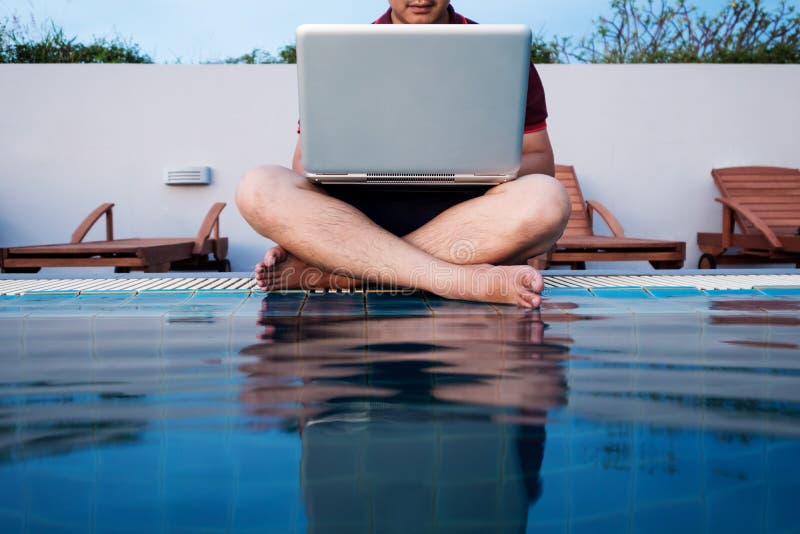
x=512, y=222
x=534, y=212
x=334, y=237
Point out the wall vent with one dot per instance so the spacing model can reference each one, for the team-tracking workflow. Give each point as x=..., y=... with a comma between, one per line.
x=187, y=176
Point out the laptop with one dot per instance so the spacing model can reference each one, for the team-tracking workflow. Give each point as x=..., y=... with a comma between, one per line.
x=412, y=104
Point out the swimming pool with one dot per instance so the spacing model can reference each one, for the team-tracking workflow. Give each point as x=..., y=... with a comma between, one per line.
x=633, y=409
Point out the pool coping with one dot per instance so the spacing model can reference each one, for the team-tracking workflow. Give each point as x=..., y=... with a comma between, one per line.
x=675, y=281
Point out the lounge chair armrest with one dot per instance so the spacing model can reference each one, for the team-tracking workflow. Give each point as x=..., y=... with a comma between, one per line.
x=731, y=206
x=210, y=224
x=86, y=225
x=610, y=220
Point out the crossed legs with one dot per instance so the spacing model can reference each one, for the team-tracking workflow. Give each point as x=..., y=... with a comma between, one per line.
x=459, y=254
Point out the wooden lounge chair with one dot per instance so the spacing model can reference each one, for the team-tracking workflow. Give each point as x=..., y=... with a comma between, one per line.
x=203, y=252
x=763, y=203
x=578, y=244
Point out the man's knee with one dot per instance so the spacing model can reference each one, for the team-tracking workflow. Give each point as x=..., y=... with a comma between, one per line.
x=259, y=187
x=545, y=204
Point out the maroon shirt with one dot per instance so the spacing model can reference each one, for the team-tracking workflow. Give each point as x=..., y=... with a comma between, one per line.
x=536, y=108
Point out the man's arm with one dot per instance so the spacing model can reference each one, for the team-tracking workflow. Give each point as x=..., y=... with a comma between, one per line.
x=537, y=154
x=297, y=159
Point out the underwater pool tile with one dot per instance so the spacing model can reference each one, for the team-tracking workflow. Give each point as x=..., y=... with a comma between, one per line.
x=553, y=503
x=472, y=458
x=339, y=504
x=677, y=479
x=136, y=503
x=784, y=469
x=59, y=500
x=592, y=305
x=286, y=304
x=674, y=292
x=104, y=297
x=396, y=305
x=792, y=292
x=621, y=293
x=141, y=336
x=685, y=516
x=441, y=306
x=562, y=292
x=267, y=509
x=49, y=297
x=732, y=471
x=389, y=517
x=545, y=527
x=733, y=293
x=334, y=304
x=189, y=506
x=604, y=523
x=66, y=335
x=13, y=520
x=738, y=509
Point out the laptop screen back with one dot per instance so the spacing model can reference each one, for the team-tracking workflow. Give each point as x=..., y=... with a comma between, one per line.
x=411, y=101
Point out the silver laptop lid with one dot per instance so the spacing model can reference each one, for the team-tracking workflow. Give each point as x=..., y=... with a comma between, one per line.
x=432, y=103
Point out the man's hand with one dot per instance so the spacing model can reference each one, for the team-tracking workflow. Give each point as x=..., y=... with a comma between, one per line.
x=537, y=154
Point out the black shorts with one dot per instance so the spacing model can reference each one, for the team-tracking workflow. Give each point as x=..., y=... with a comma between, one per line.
x=403, y=210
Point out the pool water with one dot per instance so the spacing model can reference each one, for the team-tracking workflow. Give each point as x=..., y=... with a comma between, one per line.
x=611, y=410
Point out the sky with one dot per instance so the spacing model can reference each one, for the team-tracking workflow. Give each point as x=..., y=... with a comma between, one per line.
x=191, y=31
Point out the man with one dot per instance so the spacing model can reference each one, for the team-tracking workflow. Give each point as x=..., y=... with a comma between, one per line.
x=462, y=244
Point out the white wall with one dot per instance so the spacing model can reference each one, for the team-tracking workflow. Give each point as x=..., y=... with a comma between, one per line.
x=643, y=139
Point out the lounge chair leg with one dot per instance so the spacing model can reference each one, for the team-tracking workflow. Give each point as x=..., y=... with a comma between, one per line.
x=707, y=261
x=20, y=270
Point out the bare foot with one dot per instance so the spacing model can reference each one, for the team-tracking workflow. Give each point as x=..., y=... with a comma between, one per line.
x=281, y=270
x=519, y=284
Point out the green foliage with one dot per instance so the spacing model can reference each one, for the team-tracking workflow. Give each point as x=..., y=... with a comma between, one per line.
x=672, y=31
x=546, y=52
x=638, y=31
x=286, y=55
x=18, y=44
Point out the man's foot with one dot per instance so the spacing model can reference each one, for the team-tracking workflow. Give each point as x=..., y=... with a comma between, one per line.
x=281, y=270
x=519, y=284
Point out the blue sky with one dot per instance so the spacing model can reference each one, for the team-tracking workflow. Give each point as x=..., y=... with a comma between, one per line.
x=197, y=30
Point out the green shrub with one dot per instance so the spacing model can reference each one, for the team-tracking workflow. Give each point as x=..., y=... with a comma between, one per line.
x=672, y=31
x=19, y=45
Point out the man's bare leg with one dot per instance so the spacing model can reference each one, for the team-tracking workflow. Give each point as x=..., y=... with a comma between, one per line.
x=335, y=237
x=534, y=211
x=512, y=222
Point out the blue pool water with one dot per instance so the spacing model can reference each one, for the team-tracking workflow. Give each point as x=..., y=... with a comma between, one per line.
x=616, y=410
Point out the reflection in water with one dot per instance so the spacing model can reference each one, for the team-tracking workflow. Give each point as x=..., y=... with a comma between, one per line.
x=238, y=413
x=412, y=424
